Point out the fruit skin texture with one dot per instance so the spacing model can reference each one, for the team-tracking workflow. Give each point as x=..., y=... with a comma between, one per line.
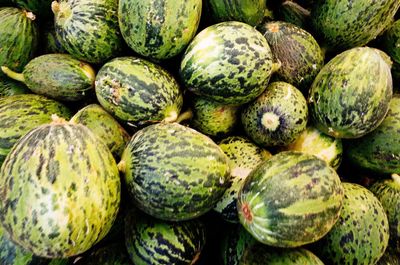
x=9, y=87
x=388, y=193
x=277, y=117
x=391, y=41
x=153, y=241
x=137, y=91
x=111, y=254
x=19, y=37
x=379, y=150
x=290, y=200
x=173, y=172
x=299, y=54
x=229, y=62
x=345, y=24
x=350, y=95
x=21, y=113
x=361, y=234
x=159, y=29
x=59, y=190
x=88, y=29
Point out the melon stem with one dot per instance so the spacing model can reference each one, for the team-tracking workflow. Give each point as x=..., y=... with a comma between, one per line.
x=276, y=66
x=121, y=166
x=172, y=116
x=55, y=7
x=187, y=115
x=14, y=75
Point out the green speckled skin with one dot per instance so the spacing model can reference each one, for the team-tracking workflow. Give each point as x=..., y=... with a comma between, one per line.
x=388, y=193
x=234, y=243
x=19, y=37
x=287, y=106
x=260, y=254
x=159, y=29
x=350, y=95
x=213, y=118
x=243, y=156
x=59, y=76
x=229, y=62
x=9, y=87
x=391, y=41
x=290, y=200
x=21, y=113
x=361, y=234
x=112, y=254
x=59, y=190
x=137, y=91
x=49, y=41
x=104, y=126
x=153, y=241
x=379, y=150
x=314, y=142
x=174, y=172
x=298, y=52
x=247, y=11
x=345, y=24
x=88, y=29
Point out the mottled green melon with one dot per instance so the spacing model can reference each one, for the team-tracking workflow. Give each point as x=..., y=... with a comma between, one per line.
x=249, y=11
x=277, y=117
x=19, y=37
x=159, y=29
x=388, y=193
x=294, y=13
x=57, y=76
x=59, y=190
x=173, y=172
x=153, y=241
x=299, y=54
x=344, y=24
x=290, y=200
x=314, y=142
x=49, y=42
x=104, y=126
x=350, y=95
x=213, y=118
x=21, y=113
x=361, y=234
x=9, y=87
x=88, y=29
x=137, y=91
x=229, y=62
x=243, y=156
x=112, y=254
x=391, y=41
x=260, y=254
x=379, y=150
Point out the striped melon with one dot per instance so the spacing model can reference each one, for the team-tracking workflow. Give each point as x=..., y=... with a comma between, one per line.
x=173, y=172
x=137, y=91
x=9, y=87
x=159, y=29
x=350, y=95
x=59, y=190
x=290, y=200
x=153, y=241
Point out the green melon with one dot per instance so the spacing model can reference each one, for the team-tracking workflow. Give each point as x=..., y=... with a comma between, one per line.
x=243, y=156
x=344, y=24
x=213, y=118
x=299, y=54
x=58, y=76
x=294, y=13
x=19, y=37
x=59, y=190
x=260, y=254
x=250, y=11
x=173, y=172
x=314, y=142
x=379, y=151
x=9, y=87
x=138, y=92
x=104, y=126
x=229, y=62
x=159, y=29
x=277, y=117
x=153, y=241
x=88, y=29
x=361, y=234
x=388, y=193
x=350, y=95
x=391, y=41
x=21, y=113
x=290, y=200
x=112, y=254
x=50, y=43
